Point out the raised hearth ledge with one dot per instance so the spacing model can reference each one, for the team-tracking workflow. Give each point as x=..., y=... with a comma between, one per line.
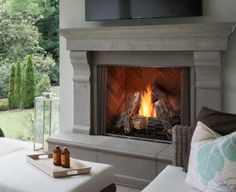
x=136, y=162
x=128, y=147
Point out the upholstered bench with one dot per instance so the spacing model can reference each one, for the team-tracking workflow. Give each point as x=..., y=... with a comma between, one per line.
x=18, y=175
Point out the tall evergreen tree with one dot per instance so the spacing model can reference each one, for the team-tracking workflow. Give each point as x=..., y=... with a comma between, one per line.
x=18, y=84
x=29, y=85
x=11, y=95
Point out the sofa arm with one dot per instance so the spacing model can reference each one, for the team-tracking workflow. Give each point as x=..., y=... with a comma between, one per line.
x=181, y=140
x=1, y=133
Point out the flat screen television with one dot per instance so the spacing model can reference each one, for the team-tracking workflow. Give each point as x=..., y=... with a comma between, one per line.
x=97, y=10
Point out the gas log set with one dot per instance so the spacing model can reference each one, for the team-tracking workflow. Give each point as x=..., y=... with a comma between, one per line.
x=149, y=114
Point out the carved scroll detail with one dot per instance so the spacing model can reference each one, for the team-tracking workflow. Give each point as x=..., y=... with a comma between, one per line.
x=81, y=91
x=81, y=67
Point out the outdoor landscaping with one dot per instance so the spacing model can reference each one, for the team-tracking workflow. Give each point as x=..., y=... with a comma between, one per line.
x=19, y=124
x=16, y=124
x=29, y=61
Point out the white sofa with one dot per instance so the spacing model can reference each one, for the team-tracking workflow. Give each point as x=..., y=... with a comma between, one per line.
x=171, y=179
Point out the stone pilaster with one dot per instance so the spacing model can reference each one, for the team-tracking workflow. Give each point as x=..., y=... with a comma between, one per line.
x=208, y=79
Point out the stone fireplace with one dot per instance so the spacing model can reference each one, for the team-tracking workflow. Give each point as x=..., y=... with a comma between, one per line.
x=101, y=55
x=179, y=66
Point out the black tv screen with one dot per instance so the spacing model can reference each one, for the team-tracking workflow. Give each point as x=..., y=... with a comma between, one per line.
x=96, y=10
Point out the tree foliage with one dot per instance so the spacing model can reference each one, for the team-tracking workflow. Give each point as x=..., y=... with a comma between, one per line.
x=29, y=85
x=46, y=17
x=19, y=37
x=30, y=27
x=43, y=63
x=11, y=96
x=43, y=85
x=49, y=40
x=4, y=81
x=18, y=83
x=48, y=27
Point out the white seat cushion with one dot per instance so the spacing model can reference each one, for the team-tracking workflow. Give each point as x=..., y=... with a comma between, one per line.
x=9, y=145
x=170, y=179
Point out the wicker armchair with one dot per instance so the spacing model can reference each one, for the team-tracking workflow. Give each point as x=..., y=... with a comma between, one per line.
x=1, y=133
x=181, y=140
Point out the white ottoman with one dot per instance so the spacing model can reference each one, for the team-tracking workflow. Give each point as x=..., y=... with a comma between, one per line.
x=18, y=175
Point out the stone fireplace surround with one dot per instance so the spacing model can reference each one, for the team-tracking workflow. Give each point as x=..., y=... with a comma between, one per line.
x=196, y=46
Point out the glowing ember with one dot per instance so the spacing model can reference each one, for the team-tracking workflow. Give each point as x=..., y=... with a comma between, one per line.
x=147, y=107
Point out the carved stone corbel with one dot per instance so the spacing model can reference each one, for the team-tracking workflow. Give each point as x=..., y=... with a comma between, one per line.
x=81, y=91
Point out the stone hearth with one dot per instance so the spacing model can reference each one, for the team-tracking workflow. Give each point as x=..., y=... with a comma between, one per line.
x=197, y=47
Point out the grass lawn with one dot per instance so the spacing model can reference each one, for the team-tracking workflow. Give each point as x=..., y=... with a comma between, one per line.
x=14, y=123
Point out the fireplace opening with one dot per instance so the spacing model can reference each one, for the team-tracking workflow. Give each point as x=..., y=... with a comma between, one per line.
x=141, y=102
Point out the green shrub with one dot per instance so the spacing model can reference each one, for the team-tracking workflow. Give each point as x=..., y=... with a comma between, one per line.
x=3, y=105
x=4, y=81
x=18, y=83
x=29, y=85
x=11, y=96
x=54, y=75
x=43, y=85
x=46, y=65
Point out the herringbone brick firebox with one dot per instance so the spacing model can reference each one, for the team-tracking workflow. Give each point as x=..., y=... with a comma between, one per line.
x=142, y=102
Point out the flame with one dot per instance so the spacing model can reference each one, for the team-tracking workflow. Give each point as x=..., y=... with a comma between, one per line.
x=147, y=107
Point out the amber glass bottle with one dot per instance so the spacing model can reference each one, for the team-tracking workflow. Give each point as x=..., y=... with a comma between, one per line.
x=65, y=158
x=57, y=156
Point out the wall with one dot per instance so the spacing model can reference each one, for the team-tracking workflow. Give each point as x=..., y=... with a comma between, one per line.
x=72, y=16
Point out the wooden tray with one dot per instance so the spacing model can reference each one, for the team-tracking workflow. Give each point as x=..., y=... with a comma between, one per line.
x=44, y=162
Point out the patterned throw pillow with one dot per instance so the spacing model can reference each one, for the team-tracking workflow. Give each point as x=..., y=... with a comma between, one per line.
x=212, y=162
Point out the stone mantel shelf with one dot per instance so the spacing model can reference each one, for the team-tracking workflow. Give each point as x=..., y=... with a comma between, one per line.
x=180, y=37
